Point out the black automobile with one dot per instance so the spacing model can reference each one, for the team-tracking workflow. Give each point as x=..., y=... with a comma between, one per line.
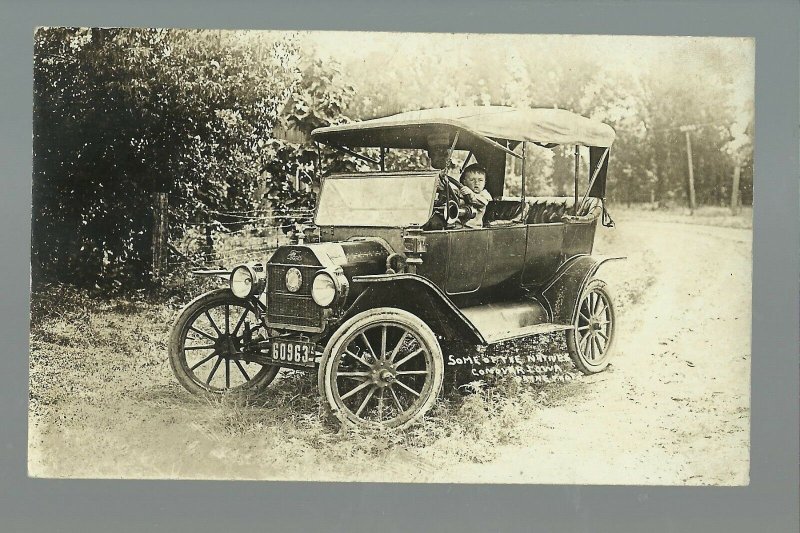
x=393, y=270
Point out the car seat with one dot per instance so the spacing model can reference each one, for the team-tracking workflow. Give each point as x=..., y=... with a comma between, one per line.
x=550, y=209
x=504, y=212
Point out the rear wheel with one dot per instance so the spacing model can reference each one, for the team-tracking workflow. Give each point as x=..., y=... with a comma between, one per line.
x=384, y=368
x=205, y=347
x=591, y=340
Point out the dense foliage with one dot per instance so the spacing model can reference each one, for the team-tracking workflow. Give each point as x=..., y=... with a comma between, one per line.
x=120, y=114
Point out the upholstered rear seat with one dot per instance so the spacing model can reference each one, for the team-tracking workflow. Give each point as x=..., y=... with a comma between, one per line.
x=548, y=209
x=504, y=212
x=537, y=210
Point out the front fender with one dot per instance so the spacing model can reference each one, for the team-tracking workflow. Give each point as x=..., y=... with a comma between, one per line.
x=417, y=295
x=560, y=294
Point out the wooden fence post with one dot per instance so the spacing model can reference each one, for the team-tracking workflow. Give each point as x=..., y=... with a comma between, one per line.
x=208, y=248
x=159, y=234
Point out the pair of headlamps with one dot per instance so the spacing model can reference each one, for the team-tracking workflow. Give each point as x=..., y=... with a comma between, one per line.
x=327, y=287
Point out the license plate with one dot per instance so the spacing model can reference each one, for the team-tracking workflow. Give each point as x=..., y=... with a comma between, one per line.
x=293, y=352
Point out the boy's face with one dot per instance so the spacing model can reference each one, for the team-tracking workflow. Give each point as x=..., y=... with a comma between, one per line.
x=476, y=181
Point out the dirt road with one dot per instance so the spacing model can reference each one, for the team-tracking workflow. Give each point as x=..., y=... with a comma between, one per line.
x=674, y=408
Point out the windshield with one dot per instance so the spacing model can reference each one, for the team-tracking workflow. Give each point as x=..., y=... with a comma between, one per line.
x=379, y=200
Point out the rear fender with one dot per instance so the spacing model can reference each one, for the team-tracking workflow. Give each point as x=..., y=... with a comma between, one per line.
x=419, y=296
x=560, y=294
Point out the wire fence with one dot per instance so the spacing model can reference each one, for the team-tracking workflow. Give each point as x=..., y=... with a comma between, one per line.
x=225, y=238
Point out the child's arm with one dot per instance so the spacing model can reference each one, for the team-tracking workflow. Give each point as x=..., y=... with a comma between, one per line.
x=481, y=199
x=467, y=194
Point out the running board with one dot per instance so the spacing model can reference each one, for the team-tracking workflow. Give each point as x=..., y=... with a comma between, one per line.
x=499, y=322
x=537, y=329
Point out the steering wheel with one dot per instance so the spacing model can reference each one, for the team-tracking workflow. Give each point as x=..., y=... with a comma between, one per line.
x=451, y=212
x=455, y=192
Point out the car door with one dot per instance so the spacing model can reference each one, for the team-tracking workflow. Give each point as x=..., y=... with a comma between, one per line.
x=544, y=252
x=467, y=258
x=506, y=255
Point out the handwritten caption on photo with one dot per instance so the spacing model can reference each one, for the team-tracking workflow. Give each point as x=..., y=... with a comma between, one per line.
x=530, y=368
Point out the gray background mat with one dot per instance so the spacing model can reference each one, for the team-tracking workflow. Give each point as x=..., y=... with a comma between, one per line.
x=770, y=503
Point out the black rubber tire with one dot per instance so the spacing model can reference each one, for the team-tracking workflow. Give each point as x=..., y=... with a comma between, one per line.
x=581, y=357
x=344, y=336
x=177, y=356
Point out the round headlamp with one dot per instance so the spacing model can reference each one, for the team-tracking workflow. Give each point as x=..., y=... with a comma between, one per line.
x=323, y=290
x=245, y=281
x=294, y=279
x=328, y=287
x=242, y=281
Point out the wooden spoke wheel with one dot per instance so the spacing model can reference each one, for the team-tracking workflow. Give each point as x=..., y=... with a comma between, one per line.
x=205, y=348
x=384, y=368
x=591, y=340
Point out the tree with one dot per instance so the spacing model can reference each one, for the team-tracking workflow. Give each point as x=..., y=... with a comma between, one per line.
x=119, y=114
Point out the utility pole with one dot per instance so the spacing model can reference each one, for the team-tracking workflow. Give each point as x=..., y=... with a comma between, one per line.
x=688, y=130
x=735, y=199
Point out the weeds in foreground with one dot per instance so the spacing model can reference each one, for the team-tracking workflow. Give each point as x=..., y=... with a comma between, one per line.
x=104, y=403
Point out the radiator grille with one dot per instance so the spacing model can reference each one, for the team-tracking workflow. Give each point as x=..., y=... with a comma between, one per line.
x=277, y=278
x=292, y=309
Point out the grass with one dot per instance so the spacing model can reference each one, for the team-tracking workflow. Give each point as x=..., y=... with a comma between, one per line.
x=103, y=403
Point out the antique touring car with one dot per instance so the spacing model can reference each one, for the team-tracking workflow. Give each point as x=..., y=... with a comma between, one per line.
x=393, y=271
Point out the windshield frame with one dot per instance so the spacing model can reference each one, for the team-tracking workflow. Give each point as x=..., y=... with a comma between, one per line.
x=431, y=175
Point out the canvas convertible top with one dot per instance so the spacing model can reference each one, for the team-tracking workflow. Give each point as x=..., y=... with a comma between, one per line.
x=482, y=123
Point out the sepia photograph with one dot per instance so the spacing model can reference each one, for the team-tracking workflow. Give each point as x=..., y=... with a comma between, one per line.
x=391, y=257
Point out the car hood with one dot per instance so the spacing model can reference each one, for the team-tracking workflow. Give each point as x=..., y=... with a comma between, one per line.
x=355, y=257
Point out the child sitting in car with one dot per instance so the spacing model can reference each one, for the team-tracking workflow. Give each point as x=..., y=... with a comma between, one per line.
x=474, y=193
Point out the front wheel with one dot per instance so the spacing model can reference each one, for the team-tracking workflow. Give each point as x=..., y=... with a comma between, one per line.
x=592, y=338
x=205, y=347
x=383, y=368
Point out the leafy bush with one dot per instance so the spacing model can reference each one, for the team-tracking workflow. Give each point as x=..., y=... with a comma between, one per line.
x=122, y=113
